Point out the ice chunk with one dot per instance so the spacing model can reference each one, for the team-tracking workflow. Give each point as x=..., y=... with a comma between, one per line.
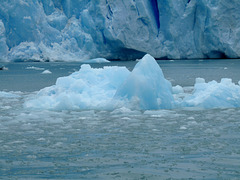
x=108, y=88
x=199, y=80
x=4, y=94
x=88, y=88
x=225, y=94
x=147, y=85
x=46, y=72
x=96, y=60
x=3, y=68
x=177, y=89
x=35, y=68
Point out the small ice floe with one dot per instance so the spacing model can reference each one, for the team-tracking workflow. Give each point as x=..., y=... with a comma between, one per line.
x=225, y=94
x=3, y=68
x=4, y=94
x=96, y=60
x=177, y=89
x=46, y=72
x=183, y=128
x=35, y=68
x=190, y=118
x=225, y=68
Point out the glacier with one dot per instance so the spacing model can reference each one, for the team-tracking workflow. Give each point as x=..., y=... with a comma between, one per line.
x=143, y=88
x=76, y=30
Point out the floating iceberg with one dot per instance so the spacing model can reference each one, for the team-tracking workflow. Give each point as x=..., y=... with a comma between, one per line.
x=225, y=94
x=96, y=60
x=147, y=86
x=109, y=87
x=46, y=72
x=34, y=68
x=4, y=94
x=88, y=88
x=144, y=88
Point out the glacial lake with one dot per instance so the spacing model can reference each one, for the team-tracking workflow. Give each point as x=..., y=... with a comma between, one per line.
x=118, y=144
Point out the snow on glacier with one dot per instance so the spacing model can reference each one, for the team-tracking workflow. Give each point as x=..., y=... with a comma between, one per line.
x=144, y=88
x=79, y=30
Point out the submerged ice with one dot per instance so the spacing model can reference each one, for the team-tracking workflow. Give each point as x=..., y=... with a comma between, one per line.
x=144, y=88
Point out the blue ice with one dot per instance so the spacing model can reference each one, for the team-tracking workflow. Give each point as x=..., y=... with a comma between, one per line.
x=144, y=88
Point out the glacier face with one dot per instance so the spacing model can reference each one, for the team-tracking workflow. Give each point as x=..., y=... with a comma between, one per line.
x=75, y=30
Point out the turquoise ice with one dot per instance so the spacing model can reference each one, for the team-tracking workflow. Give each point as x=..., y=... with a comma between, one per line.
x=144, y=88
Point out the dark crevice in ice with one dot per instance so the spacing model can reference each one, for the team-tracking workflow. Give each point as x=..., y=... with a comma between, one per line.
x=110, y=12
x=155, y=9
x=216, y=55
x=195, y=17
x=104, y=38
x=127, y=54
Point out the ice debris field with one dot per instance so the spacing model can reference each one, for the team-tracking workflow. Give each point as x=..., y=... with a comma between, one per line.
x=144, y=88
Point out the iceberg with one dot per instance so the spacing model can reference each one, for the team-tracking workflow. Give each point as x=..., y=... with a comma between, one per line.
x=4, y=94
x=144, y=88
x=46, y=72
x=107, y=88
x=78, y=30
x=96, y=60
x=88, y=88
x=225, y=94
x=147, y=86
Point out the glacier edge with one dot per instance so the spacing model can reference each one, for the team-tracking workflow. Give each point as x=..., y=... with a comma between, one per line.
x=79, y=30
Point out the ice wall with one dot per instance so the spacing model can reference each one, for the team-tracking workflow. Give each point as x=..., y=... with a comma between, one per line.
x=3, y=45
x=74, y=30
